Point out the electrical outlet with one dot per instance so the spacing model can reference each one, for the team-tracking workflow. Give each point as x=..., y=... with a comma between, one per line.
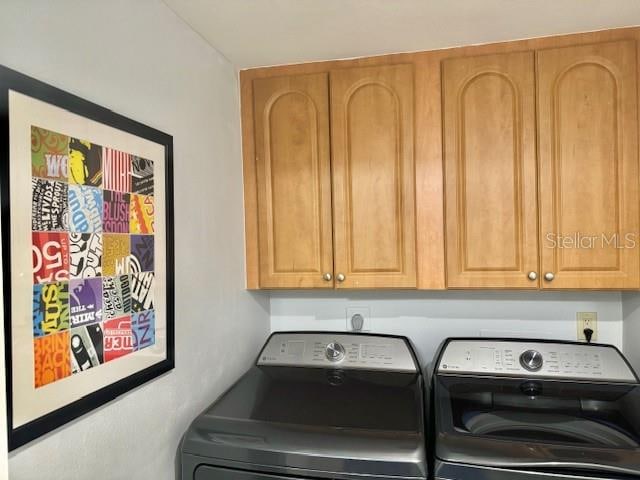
x=587, y=320
x=351, y=322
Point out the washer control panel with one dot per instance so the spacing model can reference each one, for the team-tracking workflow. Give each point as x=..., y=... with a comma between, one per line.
x=338, y=350
x=536, y=360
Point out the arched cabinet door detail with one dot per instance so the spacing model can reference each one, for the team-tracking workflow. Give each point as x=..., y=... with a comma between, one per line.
x=488, y=105
x=588, y=161
x=293, y=181
x=372, y=139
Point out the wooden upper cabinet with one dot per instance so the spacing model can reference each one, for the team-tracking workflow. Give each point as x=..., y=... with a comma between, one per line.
x=372, y=140
x=490, y=166
x=293, y=176
x=588, y=136
x=490, y=171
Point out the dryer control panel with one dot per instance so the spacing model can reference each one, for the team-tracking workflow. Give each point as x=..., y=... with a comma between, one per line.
x=536, y=360
x=338, y=350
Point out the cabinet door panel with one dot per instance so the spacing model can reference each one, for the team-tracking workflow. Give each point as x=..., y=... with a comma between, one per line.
x=587, y=101
x=294, y=185
x=373, y=176
x=490, y=171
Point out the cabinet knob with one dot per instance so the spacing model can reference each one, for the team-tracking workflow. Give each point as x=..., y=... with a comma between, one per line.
x=532, y=276
x=327, y=277
x=549, y=276
x=340, y=277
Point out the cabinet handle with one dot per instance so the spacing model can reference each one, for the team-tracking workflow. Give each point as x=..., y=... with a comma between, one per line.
x=532, y=276
x=549, y=276
x=327, y=277
x=340, y=277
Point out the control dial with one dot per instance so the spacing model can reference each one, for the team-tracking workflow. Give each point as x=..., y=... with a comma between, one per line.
x=531, y=360
x=334, y=352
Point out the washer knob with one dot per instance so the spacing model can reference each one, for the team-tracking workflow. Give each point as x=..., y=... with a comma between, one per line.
x=334, y=352
x=531, y=360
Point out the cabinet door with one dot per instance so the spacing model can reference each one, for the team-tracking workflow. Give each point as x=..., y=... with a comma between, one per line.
x=373, y=177
x=588, y=128
x=490, y=171
x=293, y=181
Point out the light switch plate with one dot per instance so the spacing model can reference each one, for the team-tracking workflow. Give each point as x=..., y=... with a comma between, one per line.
x=587, y=320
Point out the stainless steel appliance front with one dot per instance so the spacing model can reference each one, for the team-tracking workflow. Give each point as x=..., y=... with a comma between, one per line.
x=311, y=408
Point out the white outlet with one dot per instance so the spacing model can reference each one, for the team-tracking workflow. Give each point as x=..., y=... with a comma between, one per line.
x=366, y=317
x=586, y=320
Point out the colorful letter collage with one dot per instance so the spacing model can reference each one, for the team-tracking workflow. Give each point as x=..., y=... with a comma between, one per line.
x=92, y=223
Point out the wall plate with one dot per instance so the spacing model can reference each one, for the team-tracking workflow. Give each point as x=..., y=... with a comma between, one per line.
x=587, y=320
x=366, y=317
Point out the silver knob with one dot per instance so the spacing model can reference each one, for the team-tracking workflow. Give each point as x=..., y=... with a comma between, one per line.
x=549, y=276
x=327, y=277
x=340, y=277
x=531, y=360
x=532, y=276
x=334, y=352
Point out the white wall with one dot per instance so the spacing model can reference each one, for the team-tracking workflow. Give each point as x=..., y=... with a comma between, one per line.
x=427, y=318
x=137, y=58
x=631, y=327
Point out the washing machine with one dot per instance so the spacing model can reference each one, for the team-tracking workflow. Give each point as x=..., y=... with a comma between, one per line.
x=315, y=405
x=534, y=410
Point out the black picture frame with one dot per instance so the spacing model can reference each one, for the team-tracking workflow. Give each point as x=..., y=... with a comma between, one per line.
x=11, y=80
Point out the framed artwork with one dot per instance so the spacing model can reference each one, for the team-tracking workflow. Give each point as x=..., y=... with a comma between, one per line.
x=87, y=254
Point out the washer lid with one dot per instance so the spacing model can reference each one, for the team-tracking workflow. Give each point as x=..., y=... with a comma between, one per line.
x=550, y=427
x=538, y=424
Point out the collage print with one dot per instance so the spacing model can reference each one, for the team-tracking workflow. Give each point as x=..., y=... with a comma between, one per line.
x=92, y=222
